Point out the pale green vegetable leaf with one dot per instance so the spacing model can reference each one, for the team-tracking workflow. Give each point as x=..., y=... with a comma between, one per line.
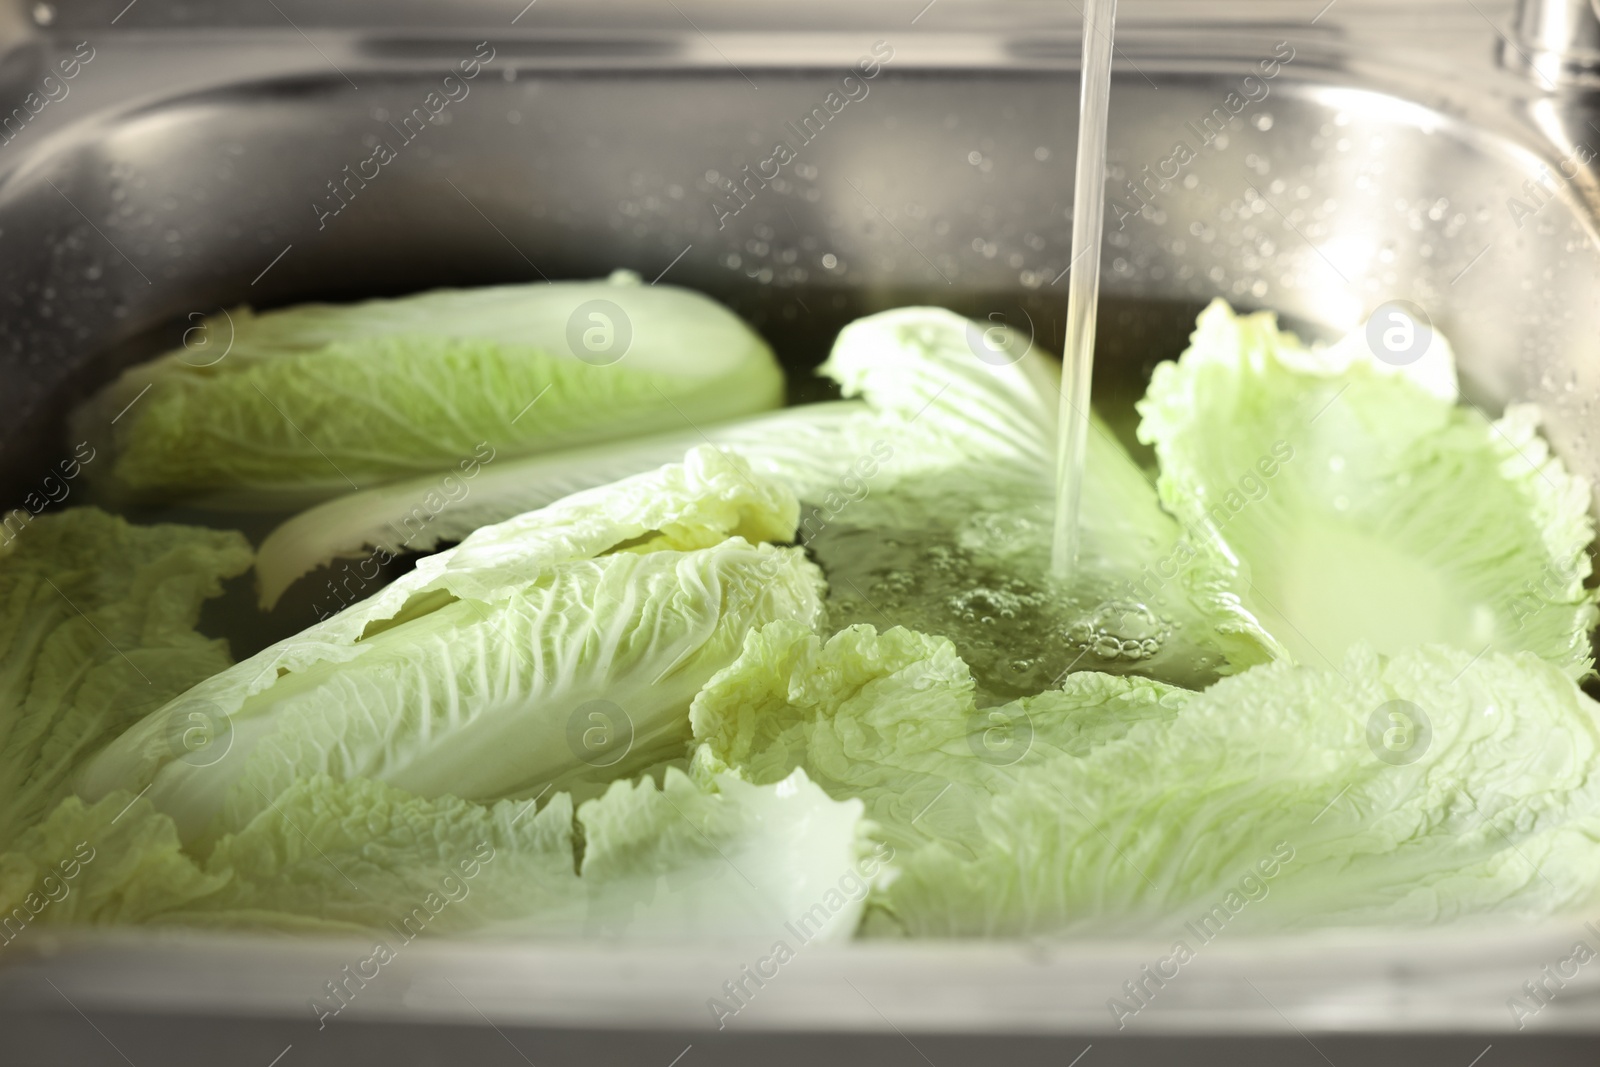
x=654, y=860
x=418, y=514
x=668, y=860
x=1292, y=796
x=264, y=410
x=113, y=861
x=732, y=860
x=563, y=646
x=1332, y=499
x=97, y=622
x=892, y=718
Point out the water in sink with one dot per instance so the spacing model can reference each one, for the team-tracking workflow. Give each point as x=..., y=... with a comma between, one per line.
x=1019, y=632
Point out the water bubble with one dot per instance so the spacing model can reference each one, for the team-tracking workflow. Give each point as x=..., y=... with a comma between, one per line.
x=1120, y=630
x=977, y=575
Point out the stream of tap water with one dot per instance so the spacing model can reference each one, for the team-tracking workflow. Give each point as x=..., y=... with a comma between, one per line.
x=1083, y=282
x=1007, y=589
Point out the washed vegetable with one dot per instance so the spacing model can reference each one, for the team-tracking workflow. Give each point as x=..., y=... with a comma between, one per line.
x=117, y=861
x=291, y=406
x=892, y=718
x=929, y=404
x=1338, y=499
x=957, y=541
x=947, y=447
x=560, y=647
x=1422, y=787
x=645, y=860
x=1322, y=671
x=372, y=527
x=97, y=622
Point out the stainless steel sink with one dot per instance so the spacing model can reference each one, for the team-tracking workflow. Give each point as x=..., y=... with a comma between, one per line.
x=208, y=155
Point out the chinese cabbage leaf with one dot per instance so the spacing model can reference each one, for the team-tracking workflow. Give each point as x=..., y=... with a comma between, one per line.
x=560, y=647
x=1337, y=499
x=311, y=401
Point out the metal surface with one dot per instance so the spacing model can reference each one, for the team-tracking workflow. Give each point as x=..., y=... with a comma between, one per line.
x=1386, y=156
x=1556, y=42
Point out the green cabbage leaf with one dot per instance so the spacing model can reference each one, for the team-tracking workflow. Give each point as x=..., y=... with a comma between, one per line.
x=287, y=407
x=1332, y=499
x=97, y=622
x=646, y=860
x=892, y=719
x=559, y=648
x=1423, y=787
